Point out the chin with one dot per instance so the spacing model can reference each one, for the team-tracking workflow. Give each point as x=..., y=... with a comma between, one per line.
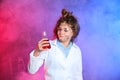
x=61, y=40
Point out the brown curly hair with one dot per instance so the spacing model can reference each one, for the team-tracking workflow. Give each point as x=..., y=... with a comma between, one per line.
x=68, y=18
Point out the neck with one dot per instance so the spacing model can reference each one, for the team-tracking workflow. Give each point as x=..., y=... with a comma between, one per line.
x=66, y=43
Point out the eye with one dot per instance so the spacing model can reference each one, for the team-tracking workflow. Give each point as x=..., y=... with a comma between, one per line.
x=59, y=29
x=66, y=30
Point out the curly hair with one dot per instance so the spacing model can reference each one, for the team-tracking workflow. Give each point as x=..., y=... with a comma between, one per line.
x=70, y=19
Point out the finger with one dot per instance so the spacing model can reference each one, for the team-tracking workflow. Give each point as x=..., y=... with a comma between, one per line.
x=42, y=43
x=42, y=46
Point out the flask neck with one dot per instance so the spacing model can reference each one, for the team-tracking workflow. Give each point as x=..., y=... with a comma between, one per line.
x=44, y=34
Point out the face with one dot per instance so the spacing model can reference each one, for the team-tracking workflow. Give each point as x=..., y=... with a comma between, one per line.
x=64, y=33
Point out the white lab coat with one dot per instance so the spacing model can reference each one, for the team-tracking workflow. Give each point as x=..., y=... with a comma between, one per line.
x=56, y=65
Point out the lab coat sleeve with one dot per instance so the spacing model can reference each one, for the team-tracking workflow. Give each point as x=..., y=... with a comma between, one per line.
x=79, y=67
x=36, y=62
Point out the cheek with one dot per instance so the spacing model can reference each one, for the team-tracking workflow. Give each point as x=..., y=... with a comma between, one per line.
x=72, y=34
x=69, y=36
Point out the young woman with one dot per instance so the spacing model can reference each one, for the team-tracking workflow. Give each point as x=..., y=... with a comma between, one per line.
x=62, y=59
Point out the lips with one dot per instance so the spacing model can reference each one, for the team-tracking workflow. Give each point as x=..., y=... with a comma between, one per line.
x=61, y=35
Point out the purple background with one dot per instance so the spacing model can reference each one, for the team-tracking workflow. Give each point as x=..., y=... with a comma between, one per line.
x=22, y=22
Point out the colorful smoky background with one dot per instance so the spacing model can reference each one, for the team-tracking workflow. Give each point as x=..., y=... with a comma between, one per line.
x=23, y=21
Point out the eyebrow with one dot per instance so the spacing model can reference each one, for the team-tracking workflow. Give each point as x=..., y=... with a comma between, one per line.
x=63, y=28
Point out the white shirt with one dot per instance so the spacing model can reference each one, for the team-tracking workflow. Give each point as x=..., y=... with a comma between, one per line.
x=56, y=65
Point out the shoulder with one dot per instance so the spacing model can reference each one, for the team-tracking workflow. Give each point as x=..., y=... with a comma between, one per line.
x=76, y=47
